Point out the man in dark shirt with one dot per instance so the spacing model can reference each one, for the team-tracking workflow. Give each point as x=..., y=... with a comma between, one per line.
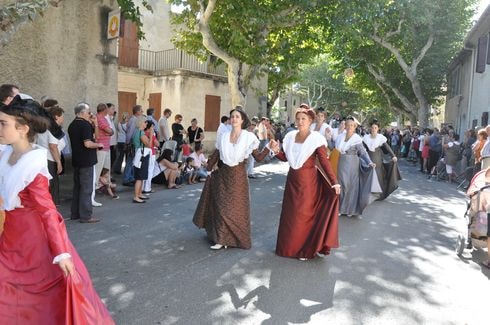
x=195, y=133
x=84, y=157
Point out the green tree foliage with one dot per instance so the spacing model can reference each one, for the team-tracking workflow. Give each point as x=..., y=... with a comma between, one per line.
x=321, y=85
x=400, y=49
x=251, y=37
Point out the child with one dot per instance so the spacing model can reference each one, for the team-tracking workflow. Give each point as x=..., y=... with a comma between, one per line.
x=106, y=186
x=186, y=150
x=189, y=171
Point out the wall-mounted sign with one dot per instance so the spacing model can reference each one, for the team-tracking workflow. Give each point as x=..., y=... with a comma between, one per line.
x=113, y=24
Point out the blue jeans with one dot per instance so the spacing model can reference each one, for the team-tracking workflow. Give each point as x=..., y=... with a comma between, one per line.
x=202, y=172
x=128, y=169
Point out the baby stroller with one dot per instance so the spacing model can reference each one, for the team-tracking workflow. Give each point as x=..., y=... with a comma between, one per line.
x=476, y=215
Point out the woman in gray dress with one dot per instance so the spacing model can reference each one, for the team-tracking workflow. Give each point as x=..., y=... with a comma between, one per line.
x=388, y=173
x=356, y=173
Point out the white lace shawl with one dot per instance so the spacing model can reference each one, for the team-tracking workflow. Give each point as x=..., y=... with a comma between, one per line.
x=312, y=142
x=372, y=144
x=323, y=128
x=14, y=179
x=233, y=154
x=343, y=146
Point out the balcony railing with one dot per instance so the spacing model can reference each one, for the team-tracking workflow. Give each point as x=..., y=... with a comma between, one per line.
x=168, y=60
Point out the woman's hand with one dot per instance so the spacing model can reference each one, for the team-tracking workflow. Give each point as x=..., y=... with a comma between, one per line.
x=274, y=146
x=372, y=165
x=336, y=187
x=394, y=159
x=67, y=266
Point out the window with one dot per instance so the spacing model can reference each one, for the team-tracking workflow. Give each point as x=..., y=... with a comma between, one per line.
x=455, y=82
x=484, y=118
x=212, y=109
x=481, y=56
x=128, y=44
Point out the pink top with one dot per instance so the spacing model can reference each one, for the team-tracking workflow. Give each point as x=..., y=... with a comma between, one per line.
x=103, y=138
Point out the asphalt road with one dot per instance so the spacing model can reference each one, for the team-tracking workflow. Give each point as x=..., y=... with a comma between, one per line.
x=396, y=263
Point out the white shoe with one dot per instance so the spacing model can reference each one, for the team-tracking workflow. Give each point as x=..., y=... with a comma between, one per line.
x=321, y=255
x=96, y=204
x=218, y=246
x=303, y=259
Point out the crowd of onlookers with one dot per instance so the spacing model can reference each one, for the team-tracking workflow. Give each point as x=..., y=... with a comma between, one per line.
x=101, y=143
x=440, y=153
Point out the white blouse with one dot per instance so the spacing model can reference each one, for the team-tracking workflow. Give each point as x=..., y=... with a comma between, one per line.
x=373, y=143
x=234, y=153
x=298, y=153
x=343, y=145
x=14, y=179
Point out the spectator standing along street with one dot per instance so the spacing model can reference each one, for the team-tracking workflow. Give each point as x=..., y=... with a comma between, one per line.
x=128, y=177
x=149, y=116
x=84, y=157
x=111, y=118
x=164, y=132
x=103, y=133
x=121, y=143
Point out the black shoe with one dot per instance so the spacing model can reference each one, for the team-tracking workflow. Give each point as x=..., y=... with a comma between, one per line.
x=128, y=184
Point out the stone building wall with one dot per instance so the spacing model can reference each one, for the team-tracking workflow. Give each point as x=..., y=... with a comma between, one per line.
x=61, y=54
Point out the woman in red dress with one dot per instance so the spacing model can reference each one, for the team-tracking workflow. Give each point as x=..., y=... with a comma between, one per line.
x=42, y=278
x=309, y=216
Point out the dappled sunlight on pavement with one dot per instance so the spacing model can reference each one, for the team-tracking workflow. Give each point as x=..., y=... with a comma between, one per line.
x=396, y=263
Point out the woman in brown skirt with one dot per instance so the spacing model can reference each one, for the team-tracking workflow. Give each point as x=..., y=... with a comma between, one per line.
x=224, y=207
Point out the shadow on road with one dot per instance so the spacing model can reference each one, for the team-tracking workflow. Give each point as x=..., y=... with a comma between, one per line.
x=152, y=266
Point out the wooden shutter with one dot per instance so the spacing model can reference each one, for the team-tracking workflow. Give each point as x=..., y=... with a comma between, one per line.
x=481, y=56
x=129, y=45
x=155, y=101
x=127, y=101
x=484, y=119
x=212, y=111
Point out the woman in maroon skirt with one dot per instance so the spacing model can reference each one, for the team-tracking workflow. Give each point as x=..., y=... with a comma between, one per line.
x=309, y=216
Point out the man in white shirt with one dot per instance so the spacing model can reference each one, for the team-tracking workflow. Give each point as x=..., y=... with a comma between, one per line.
x=164, y=132
x=111, y=115
x=224, y=126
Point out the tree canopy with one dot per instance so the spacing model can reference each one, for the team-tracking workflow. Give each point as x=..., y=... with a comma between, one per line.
x=251, y=37
x=401, y=49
